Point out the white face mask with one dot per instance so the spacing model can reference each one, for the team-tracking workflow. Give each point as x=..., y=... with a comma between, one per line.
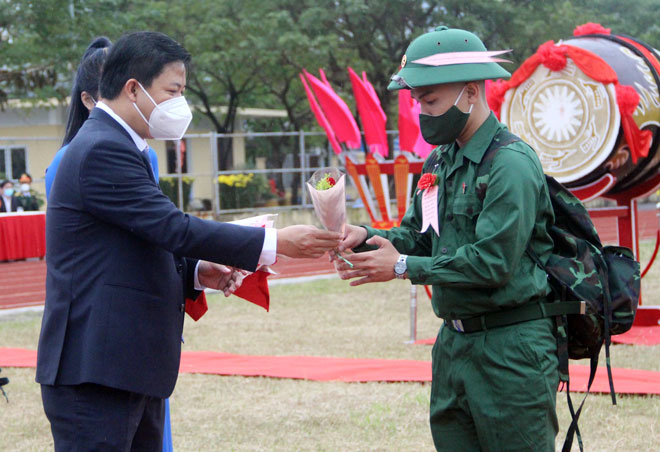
x=169, y=120
x=25, y=188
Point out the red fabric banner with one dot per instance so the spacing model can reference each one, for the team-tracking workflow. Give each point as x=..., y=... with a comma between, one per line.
x=373, y=117
x=337, y=112
x=320, y=117
x=22, y=235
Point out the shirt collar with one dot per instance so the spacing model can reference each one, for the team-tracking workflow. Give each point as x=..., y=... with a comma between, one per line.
x=140, y=142
x=478, y=144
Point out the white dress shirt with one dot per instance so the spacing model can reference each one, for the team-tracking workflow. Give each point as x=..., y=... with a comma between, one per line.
x=269, y=248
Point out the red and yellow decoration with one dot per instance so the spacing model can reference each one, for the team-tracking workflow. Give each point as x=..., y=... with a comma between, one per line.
x=554, y=57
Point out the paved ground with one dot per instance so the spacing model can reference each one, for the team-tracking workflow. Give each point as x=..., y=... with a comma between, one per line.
x=22, y=284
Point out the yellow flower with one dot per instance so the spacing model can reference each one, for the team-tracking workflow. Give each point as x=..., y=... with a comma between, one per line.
x=236, y=180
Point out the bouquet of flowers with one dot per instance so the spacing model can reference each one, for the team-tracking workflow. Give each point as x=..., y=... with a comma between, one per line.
x=327, y=190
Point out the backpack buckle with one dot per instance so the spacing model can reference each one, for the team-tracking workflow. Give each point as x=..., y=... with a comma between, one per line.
x=458, y=326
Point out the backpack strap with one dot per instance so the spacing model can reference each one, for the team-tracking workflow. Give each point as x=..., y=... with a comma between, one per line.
x=432, y=160
x=501, y=139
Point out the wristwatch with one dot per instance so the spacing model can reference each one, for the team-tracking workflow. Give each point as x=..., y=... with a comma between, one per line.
x=400, y=268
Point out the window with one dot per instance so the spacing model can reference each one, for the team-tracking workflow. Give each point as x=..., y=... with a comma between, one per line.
x=170, y=147
x=13, y=162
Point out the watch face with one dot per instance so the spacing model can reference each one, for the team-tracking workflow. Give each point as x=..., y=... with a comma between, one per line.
x=400, y=268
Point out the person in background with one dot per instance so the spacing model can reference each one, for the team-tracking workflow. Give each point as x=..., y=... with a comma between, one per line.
x=8, y=202
x=26, y=197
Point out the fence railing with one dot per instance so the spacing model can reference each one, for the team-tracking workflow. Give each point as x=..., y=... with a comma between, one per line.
x=272, y=178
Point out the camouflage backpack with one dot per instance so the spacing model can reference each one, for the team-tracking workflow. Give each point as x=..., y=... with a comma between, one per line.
x=580, y=268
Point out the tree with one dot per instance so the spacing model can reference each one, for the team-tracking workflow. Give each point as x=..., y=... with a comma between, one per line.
x=248, y=53
x=41, y=42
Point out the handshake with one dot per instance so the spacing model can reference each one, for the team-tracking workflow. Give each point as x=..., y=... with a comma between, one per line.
x=298, y=241
x=302, y=241
x=310, y=242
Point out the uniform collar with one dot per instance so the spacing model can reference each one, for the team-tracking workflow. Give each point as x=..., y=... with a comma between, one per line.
x=478, y=144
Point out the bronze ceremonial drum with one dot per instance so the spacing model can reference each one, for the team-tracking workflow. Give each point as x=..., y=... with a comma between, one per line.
x=574, y=123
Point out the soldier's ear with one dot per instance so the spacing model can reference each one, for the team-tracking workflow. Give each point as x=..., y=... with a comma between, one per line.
x=473, y=91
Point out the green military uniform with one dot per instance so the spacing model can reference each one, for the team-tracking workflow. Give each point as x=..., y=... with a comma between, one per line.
x=493, y=390
x=28, y=203
x=496, y=388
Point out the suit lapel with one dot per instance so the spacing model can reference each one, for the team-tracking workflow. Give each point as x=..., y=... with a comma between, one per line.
x=102, y=116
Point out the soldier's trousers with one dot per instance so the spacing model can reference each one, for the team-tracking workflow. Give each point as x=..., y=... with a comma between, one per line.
x=495, y=391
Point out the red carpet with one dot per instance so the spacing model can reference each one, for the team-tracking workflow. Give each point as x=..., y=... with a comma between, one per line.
x=637, y=335
x=626, y=381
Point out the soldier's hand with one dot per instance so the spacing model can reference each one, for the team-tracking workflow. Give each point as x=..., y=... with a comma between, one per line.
x=370, y=266
x=306, y=241
x=353, y=236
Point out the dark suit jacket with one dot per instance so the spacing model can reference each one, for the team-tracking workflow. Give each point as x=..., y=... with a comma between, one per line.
x=13, y=207
x=114, y=292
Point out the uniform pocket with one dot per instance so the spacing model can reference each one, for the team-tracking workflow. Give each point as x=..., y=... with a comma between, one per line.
x=465, y=212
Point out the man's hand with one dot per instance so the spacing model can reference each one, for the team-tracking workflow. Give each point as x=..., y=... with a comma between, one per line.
x=220, y=277
x=353, y=236
x=306, y=241
x=370, y=266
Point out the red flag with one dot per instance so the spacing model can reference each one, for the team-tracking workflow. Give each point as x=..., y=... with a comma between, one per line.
x=255, y=289
x=320, y=117
x=337, y=112
x=372, y=91
x=373, y=117
x=324, y=78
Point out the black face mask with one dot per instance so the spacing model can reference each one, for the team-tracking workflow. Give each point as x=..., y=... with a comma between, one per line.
x=444, y=128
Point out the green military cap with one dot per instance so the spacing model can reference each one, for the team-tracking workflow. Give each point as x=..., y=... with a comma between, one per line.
x=447, y=55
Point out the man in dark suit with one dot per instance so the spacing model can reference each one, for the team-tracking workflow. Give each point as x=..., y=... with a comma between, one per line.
x=8, y=202
x=117, y=248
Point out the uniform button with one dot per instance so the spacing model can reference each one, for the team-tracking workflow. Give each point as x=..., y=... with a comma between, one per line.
x=179, y=268
x=450, y=217
x=469, y=210
x=182, y=307
x=443, y=250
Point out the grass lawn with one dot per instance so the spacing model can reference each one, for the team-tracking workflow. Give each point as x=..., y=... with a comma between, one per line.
x=322, y=318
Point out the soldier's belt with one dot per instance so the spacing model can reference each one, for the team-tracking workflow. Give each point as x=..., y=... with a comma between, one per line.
x=525, y=313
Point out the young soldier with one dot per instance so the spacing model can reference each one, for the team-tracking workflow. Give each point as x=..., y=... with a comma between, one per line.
x=494, y=361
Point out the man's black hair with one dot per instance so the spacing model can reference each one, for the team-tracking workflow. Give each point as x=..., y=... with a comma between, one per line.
x=142, y=56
